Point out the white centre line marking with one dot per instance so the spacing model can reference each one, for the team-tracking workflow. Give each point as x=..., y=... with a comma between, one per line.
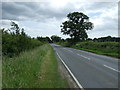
x=80, y=86
x=70, y=50
x=111, y=68
x=84, y=56
x=67, y=49
x=64, y=48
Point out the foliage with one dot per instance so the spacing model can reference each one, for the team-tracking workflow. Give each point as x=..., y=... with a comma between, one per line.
x=15, y=40
x=108, y=38
x=76, y=26
x=55, y=38
x=44, y=39
x=107, y=48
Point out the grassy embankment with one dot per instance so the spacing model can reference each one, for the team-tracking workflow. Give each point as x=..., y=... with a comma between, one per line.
x=105, y=48
x=36, y=68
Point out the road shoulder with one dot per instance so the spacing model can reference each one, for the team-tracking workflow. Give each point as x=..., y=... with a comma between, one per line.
x=65, y=74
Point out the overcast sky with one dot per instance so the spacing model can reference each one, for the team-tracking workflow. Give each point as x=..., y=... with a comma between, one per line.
x=44, y=18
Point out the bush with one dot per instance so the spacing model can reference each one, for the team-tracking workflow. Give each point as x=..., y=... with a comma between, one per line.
x=15, y=40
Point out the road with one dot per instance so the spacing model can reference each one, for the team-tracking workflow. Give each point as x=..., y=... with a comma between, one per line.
x=91, y=70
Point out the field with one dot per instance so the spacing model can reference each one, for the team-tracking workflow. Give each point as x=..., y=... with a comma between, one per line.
x=36, y=68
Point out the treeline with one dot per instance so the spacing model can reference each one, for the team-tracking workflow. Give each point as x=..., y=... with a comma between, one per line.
x=44, y=39
x=15, y=40
x=105, y=39
x=104, y=45
x=56, y=38
x=52, y=39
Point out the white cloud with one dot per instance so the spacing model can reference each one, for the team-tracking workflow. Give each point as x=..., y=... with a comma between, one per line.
x=60, y=0
x=44, y=18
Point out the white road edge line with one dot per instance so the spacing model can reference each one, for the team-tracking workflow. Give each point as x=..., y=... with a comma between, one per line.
x=111, y=68
x=80, y=86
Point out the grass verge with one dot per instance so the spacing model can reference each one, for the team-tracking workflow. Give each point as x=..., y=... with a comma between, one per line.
x=116, y=55
x=32, y=69
x=104, y=48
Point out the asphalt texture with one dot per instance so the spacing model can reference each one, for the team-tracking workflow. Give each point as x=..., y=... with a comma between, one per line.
x=91, y=70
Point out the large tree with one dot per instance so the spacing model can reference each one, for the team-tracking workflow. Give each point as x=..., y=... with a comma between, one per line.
x=76, y=26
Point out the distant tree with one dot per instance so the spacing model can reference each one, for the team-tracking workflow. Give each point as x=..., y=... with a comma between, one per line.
x=68, y=39
x=76, y=26
x=89, y=39
x=107, y=39
x=95, y=39
x=22, y=32
x=55, y=38
x=15, y=28
x=48, y=40
x=44, y=39
x=62, y=40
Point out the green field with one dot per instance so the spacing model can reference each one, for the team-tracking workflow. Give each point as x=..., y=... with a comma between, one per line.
x=37, y=68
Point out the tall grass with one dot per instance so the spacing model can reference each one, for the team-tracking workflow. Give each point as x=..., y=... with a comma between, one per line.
x=32, y=69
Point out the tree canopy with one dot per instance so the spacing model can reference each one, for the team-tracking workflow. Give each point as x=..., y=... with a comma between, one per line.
x=55, y=38
x=76, y=26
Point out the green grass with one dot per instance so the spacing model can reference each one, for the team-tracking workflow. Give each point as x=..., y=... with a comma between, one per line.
x=105, y=48
x=0, y=73
x=36, y=68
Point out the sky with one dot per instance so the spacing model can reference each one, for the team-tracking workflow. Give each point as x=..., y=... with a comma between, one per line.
x=44, y=17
